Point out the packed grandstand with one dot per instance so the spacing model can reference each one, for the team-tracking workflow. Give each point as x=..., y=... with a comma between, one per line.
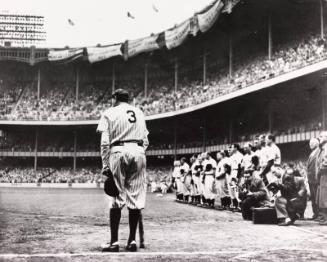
x=259, y=68
x=58, y=102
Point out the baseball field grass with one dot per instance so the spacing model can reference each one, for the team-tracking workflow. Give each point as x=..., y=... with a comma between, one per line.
x=39, y=224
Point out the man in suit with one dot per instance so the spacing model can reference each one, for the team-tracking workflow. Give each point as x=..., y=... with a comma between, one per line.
x=321, y=163
x=292, y=200
x=312, y=176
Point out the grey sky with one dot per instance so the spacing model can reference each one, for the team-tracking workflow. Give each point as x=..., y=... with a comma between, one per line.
x=104, y=21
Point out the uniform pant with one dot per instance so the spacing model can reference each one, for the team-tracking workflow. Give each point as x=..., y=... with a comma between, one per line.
x=291, y=209
x=209, y=187
x=222, y=188
x=280, y=206
x=194, y=188
x=313, y=197
x=128, y=168
x=200, y=186
x=323, y=196
x=180, y=186
x=187, y=185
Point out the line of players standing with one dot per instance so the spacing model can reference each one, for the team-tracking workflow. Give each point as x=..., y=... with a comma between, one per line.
x=207, y=179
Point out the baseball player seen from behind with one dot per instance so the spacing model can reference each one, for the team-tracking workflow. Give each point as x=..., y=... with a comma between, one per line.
x=124, y=139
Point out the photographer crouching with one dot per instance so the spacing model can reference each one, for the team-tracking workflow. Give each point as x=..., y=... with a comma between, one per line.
x=253, y=193
x=290, y=197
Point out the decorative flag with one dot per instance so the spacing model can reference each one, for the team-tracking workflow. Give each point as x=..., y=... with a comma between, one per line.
x=96, y=54
x=209, y=17
x=177, y=35
x=130, y=15
x=155, y=8
x=66, y=54
x=229, y=5
x=140, y=45
x=71, y=22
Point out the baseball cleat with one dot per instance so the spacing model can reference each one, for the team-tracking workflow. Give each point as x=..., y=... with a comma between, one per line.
x=110, y=247
x=131, y=247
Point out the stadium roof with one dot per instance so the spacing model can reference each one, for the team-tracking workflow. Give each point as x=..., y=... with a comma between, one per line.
x=173, y=37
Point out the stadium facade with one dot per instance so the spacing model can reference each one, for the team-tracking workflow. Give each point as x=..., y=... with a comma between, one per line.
x=249, y=67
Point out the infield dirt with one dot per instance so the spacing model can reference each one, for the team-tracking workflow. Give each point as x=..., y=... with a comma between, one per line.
x=71, y=224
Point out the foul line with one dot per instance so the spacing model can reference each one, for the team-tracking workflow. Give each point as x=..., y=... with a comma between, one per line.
x=100, y=254
x=309, y=231
x=182, y=253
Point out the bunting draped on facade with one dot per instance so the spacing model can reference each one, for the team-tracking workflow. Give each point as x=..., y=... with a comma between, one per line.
x=68, y=54
x=170, y=38
x=141, y=45
x=229, y=5
x=96, y=54
x=177, y=35
x=208, y=18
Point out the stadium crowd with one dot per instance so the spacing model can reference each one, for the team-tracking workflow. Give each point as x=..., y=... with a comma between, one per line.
x=58, y=101
x=50, y=175
x=156, y=176
x=253, y=178
x=11, y=91
x=247, y=73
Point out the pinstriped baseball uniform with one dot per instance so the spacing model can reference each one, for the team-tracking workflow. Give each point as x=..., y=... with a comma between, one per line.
x=208, y=187
x=119, y=127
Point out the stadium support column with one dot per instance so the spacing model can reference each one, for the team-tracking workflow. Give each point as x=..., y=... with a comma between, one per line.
x=230, y=133
x=322, y=34
x=75, y=151
x=204, y=135
x=175, y=140
x=323, y=101
x=113, y=80
x=77, y=84
x=146, y=80
x=204, y=67
x=270, y=115
x=38, y=83
x=176, y=75
x=230, y=57
x=270, y=43
x=35, y=149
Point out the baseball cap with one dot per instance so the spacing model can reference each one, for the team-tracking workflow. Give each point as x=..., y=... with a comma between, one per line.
x=120, y=94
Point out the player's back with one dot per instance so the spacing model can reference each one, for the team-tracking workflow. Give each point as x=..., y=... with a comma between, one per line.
x=125, y=122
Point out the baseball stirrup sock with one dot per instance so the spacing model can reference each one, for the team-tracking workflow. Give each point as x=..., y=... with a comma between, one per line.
x=235, y=202
x=134, y=216
x=115, y=214
x=141, y=228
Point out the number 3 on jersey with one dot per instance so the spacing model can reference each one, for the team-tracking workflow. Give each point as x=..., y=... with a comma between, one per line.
x=132, y=117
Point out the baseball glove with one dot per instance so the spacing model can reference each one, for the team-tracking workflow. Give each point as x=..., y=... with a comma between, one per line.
x=110, y=187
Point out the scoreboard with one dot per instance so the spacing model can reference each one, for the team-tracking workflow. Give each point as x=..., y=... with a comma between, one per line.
x=20, y=30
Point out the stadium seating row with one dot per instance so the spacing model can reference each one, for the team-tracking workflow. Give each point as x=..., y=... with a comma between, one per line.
x=19, y=101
